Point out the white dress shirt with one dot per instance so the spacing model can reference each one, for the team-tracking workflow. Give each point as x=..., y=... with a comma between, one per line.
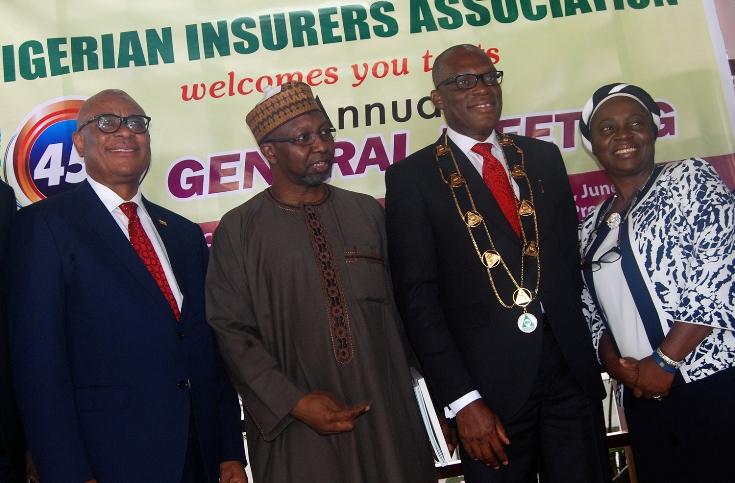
x=466, y=144
x=112, y=202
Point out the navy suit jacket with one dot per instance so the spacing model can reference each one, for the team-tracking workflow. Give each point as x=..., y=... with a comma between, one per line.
x=464, y=338
x=12, y=442
x=104, y=373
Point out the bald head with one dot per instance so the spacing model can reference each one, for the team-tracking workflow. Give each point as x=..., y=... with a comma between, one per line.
x=441, y=69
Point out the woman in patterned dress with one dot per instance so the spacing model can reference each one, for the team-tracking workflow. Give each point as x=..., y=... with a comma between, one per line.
x=658, y=259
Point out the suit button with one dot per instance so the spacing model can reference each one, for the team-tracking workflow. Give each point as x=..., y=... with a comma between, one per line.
x=182, y=384
x=181, y=336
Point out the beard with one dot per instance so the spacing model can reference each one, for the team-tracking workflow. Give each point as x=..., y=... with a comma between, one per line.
x=316, y=179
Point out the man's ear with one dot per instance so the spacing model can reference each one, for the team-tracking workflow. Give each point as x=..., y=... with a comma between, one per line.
x=78, y=140
x=436, y=99
x=268, y=152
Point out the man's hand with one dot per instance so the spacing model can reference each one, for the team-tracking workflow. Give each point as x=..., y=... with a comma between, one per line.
x=322, y=414
x=482, y=434
x=450, y=434
x=232, y=472
x=653, y=381
x=31, y=473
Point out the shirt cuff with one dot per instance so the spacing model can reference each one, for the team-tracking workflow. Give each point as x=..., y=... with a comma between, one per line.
x=455, y=407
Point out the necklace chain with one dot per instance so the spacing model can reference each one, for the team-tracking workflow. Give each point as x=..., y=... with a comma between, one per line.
x=473, y=219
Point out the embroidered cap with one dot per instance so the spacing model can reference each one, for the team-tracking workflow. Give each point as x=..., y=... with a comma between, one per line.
x=608, y=92
x=278, y=106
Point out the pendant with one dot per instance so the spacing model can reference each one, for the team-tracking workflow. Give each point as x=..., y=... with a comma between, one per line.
x=472, y=218
x=531, y=250
x=613, y=221
x=522, y=297
x=526, y=208
x=456, y=180
x=491, y=259
x=527, y=323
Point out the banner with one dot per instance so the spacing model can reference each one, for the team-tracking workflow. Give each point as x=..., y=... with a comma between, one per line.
x=198, y=67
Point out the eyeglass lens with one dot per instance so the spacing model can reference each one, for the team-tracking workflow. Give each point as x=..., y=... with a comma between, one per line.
x=468, y=81
x=110, y=123
x=611, y=256
x=310, y=137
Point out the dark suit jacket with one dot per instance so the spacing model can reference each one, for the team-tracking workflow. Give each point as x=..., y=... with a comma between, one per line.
x=463, y=337
x=100, y=362
x=12, y=442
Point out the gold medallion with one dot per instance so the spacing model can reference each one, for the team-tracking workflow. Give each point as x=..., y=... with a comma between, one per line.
x=517, y=172
x=472, y=218
x=491, y=259
x=441, y=150
x=526, y=208
x=522, y=297
x=456, y=180
x=531, y=249
x=505, y=140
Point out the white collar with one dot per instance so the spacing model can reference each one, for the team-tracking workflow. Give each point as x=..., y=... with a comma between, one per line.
x=112, y=200
x=466, y=143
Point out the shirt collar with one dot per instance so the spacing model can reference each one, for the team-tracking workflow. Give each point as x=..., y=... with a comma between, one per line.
x=465, y=143
x=112, y=200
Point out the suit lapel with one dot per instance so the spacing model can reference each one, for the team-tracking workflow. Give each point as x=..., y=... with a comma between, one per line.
x=102, y=222
x=484, y=199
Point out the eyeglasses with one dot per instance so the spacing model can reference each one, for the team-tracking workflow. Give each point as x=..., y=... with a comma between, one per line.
x=111, y=123
x=468, y=81
x=611, y=256
x=307, y=138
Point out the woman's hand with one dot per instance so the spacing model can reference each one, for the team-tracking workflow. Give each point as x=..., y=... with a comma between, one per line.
x=653, y=381
x=624, y=370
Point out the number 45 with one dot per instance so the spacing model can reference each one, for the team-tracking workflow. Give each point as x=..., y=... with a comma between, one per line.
x=50, y=167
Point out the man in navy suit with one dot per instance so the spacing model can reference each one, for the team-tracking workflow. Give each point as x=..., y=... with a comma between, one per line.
x=116, y=371
x=12, y=442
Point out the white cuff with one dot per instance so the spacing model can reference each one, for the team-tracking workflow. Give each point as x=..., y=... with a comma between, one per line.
x=455, y=407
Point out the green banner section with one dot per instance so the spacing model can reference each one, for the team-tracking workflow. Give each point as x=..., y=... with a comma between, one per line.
x=198, y=67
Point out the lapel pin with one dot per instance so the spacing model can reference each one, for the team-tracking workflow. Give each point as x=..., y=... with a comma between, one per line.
x=162, y=222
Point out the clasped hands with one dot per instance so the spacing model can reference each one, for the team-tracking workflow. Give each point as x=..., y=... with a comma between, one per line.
x=644, y=376
x=322, y=414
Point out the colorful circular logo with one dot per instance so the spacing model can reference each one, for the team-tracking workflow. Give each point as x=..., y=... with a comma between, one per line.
x=41, y=159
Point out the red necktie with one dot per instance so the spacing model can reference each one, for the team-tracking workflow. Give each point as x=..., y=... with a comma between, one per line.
x=144, y=247
x=496, y=178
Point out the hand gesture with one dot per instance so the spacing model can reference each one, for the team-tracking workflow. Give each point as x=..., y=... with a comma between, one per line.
x=322, y=414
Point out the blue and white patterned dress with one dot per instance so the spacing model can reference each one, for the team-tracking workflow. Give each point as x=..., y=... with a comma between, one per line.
x=680, y=237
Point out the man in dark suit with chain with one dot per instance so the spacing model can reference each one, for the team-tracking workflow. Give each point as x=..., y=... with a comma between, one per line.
x=482, y=236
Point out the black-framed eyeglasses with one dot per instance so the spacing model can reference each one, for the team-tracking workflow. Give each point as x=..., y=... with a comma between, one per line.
x=111, y=123
x=468, y=81
x=611, y=256
x=307, y=138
